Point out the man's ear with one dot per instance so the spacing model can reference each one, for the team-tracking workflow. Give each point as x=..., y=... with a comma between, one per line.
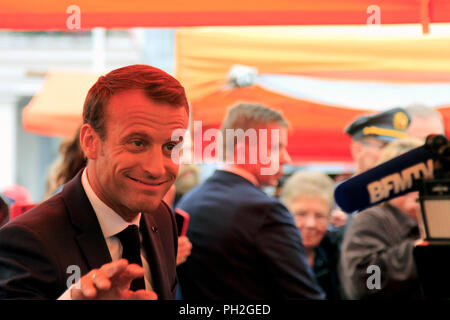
x=90, y=141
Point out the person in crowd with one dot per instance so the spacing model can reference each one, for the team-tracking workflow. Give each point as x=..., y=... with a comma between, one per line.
x=424, y=121
x=18, y=199
x=188, y=178
x=184, y=245
x=245, y=244
x=4, y=212
x=16, y=194
x=309, y=197
x=70, y=160
x=376, y=260
x=109, y=222
x=370, y=134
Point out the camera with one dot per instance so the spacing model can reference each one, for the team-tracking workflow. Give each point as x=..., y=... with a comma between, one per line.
x=434, y=194
x=432, y=254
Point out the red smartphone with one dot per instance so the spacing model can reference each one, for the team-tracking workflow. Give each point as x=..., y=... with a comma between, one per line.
x=182, y=218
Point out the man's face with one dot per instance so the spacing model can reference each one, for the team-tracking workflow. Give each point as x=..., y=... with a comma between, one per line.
x=272, y=154
x=132, y=169
x=422, y=127
x=366, y=153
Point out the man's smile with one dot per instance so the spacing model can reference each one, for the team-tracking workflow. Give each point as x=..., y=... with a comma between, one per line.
x=148, y=183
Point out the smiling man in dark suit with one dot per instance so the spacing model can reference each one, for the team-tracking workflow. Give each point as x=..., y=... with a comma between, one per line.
x=129, y=117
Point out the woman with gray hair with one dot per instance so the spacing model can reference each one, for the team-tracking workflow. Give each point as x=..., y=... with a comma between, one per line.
x=309, y=197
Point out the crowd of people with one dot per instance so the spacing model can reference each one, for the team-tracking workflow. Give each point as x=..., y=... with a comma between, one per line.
x=111, y=193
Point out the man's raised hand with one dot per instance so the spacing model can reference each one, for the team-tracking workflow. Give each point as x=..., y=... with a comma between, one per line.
x=112, y=282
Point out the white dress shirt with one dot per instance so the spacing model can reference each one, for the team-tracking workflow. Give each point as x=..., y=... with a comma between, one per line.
x=111, y=224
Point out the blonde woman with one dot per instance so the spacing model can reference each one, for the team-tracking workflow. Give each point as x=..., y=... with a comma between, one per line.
x=309, y=197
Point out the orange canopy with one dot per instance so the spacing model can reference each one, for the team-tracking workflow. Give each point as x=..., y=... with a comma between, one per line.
x=56, y=110
x=396, y=55
x=53, y=15
x=204, y=57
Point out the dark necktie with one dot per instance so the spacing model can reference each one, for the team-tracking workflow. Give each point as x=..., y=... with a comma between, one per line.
x=131, y=244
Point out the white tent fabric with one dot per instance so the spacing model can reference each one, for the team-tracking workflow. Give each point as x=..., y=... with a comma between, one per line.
x=358, y=95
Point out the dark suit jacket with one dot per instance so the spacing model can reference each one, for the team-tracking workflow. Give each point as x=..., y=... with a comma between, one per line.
x=37, y=247
x=326, y=267
x=245, y=245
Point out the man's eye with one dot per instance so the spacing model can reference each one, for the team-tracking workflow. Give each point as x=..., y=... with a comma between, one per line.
x=137, y=143
x=170, y=146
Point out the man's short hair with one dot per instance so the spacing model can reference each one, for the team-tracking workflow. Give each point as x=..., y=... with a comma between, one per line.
x=422, y=111
x=250, y=116
x=157, y=85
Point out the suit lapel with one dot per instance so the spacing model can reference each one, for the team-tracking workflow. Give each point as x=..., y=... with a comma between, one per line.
x=94, y=249
x=153, y=247
x=90, y=237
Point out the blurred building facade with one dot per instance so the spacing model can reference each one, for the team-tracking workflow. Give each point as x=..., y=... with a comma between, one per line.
x=25, y=59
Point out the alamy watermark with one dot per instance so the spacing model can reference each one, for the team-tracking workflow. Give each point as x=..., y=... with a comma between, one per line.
x=75, y=275
x=249, y=146
x=375, y=14
x=73, y=22
x=374, y=280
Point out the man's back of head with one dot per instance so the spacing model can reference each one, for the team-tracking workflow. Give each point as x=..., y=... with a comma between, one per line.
x=255, y=140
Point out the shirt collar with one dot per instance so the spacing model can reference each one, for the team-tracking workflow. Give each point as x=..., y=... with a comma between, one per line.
x=111, y=223
x=241, y=172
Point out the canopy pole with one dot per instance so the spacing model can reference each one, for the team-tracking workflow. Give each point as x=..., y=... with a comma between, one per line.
x=98, y=49
x=425, y=15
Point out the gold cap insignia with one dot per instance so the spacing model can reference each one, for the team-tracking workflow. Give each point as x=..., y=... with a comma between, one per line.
x=400, y=121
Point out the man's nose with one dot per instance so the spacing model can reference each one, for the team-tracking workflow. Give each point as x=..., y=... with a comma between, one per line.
x=154, y=162
x=310, y=221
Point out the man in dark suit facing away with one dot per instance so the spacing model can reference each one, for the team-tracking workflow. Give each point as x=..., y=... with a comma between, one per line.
x=100, y=216
x=245, y=244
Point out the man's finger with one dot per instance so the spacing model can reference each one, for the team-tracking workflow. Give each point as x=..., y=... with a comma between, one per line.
x=143, y=295
x=88, y=289
x=132, y=271
x=100, y=279
x=114, y=268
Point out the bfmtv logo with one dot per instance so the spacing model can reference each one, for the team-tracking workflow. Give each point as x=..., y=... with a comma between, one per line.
x=398, y=182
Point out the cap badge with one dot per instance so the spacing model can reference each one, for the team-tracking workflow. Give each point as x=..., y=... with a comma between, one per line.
x=400, y=121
